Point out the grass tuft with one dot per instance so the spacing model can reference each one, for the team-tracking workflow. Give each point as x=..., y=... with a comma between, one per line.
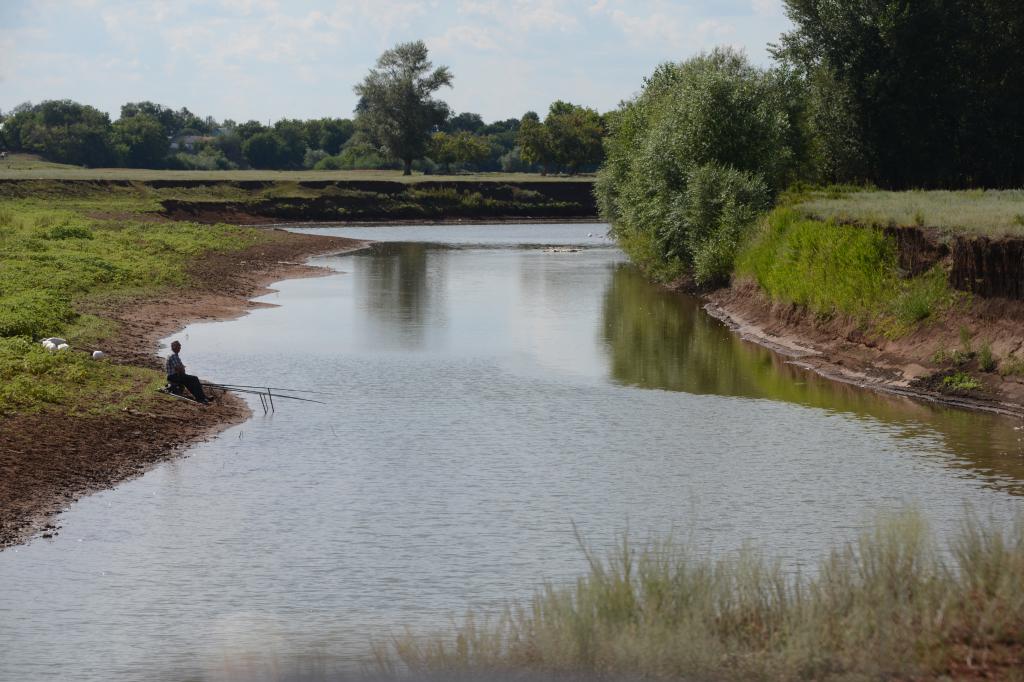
x=891, y=605
x=1012, y=366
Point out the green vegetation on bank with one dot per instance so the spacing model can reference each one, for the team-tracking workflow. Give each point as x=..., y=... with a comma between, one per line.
x=990, y=213
x=30, y=167
x=893, y=605
x=891, y=94
x=55, y=262
x=832, y=269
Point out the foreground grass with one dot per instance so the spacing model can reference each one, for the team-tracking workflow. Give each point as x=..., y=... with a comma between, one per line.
x=55, y=260
x=989, y=213
x=833, y=269
x=890, y=606
x=28, y=167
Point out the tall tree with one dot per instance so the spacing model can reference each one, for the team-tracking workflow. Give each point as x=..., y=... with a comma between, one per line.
x=62, y=130
x=396, y=106
x=140, y=141
x=575, y=133
x=927, y=93
x=535, y=142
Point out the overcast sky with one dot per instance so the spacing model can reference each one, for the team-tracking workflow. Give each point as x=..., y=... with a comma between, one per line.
x=265, y=59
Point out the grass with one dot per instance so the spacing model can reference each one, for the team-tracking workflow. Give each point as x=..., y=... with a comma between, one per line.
x=1012, y=365
x=992, y=213
x=961, y=381
x=892, y=605
x=832, y=269
x=32, y=378
x=55, y=260
x=29, y=167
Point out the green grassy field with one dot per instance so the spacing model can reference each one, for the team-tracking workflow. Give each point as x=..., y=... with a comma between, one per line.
x=992, y=213
x=27, y=167
x=53, y=262
x=893, y=605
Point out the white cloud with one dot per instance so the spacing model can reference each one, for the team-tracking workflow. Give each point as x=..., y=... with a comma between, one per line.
x=767, y=8
x=522, y=15
x=475, y=37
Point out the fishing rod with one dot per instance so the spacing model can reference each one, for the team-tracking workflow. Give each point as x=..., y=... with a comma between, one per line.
x=272, y=388
x=265, y=394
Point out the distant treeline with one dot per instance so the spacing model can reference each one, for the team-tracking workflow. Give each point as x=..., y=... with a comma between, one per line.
x=149, y=135
x=900, y=94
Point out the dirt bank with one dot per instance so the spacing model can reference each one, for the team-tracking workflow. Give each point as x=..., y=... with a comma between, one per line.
x=391, y=201
x=913, y=365
x=50, y=459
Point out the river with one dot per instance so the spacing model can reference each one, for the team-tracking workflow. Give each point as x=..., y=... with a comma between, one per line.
x=485, y=393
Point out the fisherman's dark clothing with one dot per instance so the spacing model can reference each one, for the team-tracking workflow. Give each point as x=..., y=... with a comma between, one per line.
x=176, y=377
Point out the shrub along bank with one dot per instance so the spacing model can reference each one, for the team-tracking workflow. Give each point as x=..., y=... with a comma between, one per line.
x=693, y=160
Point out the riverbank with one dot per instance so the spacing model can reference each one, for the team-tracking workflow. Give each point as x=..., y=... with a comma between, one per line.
x=46, y=466
x=884, y=290
x=261, y=201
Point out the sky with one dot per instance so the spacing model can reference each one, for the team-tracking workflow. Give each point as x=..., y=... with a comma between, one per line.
x=271, y=59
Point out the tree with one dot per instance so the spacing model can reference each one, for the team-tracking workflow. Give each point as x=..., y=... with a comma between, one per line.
x=396, y=108
x=140, y=141
x=461, y=147
x=928, y=93
x=466, y=121
x=575, y=134
x=62, y=130
x=265, y=150
x=535, y=143
x=293, y=134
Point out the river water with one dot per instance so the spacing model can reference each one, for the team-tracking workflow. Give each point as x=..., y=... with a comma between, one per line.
x=485, y=393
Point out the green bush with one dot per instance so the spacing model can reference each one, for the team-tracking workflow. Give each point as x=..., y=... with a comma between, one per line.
x=711, y=216
x=34, y=314
x=715, y=120
x=69, y=232
x=961, y=381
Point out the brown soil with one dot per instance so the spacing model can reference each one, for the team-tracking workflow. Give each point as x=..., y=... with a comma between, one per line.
x=912, y=365
x=49, y=459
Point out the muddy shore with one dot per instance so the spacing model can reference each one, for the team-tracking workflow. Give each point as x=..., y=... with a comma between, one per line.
x=837, y=348
x=48, y=460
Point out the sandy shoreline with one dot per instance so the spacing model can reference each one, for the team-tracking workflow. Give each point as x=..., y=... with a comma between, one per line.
x=47, y=465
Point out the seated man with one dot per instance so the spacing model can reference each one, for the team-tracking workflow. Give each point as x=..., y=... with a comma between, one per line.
x=177, y=378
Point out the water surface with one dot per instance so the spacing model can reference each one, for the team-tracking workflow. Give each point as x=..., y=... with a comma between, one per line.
x=486, y=392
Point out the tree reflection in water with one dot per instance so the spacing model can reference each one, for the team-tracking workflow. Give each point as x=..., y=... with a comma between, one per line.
x=659, y=339
x=399, y=283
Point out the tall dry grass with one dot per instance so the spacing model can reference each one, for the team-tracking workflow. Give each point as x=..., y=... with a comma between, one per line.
x=892, y=605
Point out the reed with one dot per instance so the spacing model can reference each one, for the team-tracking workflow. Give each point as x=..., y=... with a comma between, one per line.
x=891, y=605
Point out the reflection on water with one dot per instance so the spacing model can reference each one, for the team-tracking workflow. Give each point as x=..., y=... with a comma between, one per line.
x=660, y=339
x=399, y=285
x=481, y=400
